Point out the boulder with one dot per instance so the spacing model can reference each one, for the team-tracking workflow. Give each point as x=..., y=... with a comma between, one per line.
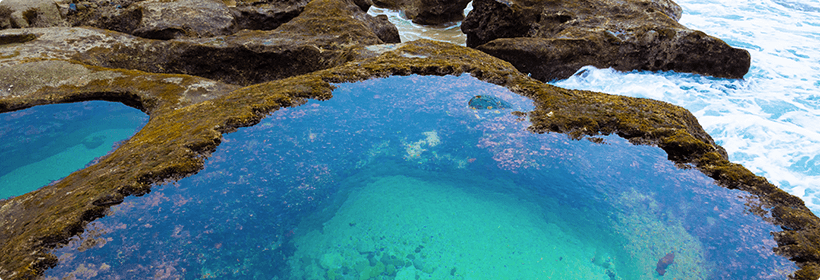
x=119, y=15
x=30, y=13
x=265, y=14
x=553, y=39
x=161, y=19
x=429, y=12
x=184, y=18
x=328, y=33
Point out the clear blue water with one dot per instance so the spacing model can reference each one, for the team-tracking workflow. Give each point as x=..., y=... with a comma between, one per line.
x=766, y=121
x=397, y=178
x=46, y=143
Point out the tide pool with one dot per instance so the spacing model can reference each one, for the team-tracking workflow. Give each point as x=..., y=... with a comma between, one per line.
x=46, y=143
x=398, y=178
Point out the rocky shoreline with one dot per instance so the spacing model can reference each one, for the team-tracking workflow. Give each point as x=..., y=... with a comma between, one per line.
x=216, y=66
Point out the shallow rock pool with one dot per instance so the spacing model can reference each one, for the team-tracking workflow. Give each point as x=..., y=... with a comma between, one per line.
x=398, y=178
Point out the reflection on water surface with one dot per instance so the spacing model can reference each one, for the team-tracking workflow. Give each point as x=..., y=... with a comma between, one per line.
x=398, y=178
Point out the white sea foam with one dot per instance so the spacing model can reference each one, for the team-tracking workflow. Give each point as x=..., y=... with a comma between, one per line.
x=409, y=31
x=770, y=121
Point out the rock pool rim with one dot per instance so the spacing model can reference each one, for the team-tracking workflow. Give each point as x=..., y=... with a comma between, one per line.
x=179, y=137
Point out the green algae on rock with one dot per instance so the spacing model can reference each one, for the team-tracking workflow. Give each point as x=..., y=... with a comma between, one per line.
x=175, y=142
x=553, y=39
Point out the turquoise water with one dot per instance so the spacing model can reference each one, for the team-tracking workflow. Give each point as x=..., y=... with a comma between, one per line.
x=767, y=121
x=397, y=178
x=46, y=143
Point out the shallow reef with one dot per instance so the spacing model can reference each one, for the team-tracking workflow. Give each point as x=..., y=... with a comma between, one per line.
x=193, y=96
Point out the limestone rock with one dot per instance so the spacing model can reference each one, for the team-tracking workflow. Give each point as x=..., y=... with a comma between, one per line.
x=328, y=33
x=427, y=11
x=265, y=14
x=119, y=15
x=30, y=13
x=184, y=18
x=553, y=39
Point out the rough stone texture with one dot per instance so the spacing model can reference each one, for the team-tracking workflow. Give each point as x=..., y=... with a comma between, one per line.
x=553, y=39
x=184, y=18
x=30, y=13
x=265, y=14
x=427, y=11
x=325, y=35
x=226, y=16
x=117, y=15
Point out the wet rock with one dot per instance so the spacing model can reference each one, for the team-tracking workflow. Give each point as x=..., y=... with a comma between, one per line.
x=380, y=25
x=184, y=18
x=553, y=39
x=427, y=11
x=30, y=13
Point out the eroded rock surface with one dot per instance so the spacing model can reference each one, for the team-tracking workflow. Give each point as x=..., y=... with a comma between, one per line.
x=184, y=18
x=553, y=39
x=160, y=19
x=427, y=11
x=328, y=33
x=30, y=13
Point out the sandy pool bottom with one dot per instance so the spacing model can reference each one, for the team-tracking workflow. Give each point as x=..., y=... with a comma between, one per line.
x=401, y=227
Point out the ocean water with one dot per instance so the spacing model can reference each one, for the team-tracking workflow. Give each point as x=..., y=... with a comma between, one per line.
x=46, y=143
x=397, y=178
x=409, y=31
x=767, y=121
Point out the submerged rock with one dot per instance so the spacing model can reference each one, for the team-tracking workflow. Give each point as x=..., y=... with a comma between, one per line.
x=664, y=262
x=553, y=39
x=488, y=102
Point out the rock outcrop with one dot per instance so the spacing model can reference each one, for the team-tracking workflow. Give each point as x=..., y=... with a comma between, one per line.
x=184, y=18
x=30, y=13
x=328, y=33
x=429, y=12
x=553, y=39
x=165, y=20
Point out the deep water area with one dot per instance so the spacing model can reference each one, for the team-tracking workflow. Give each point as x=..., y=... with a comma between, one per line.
x=46, y=143
x=398, y=178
